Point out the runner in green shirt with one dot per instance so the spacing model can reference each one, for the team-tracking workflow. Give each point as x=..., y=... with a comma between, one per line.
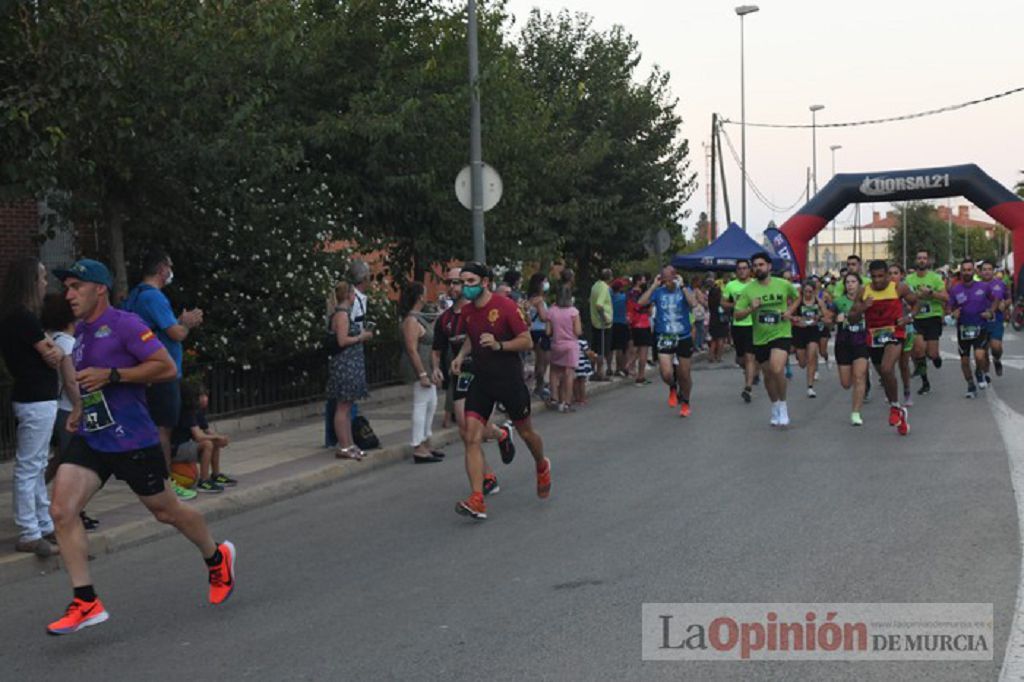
x=767, y=300
x=742, y=330
x=928, y=319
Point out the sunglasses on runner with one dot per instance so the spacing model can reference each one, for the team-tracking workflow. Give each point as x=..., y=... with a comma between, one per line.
x=453, y=282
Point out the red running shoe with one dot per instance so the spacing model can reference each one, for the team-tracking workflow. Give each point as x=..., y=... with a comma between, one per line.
x=80, y=614
x=544, y=480
x=894, y=415
x=222, y=576
x=903, y=428
x=684, y=410
x=673, y=398
x=472, y=507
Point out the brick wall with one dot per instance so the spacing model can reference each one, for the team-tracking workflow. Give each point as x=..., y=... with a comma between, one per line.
x=19, y=227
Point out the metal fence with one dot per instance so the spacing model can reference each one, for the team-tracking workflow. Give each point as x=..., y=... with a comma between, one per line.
x=237, y=389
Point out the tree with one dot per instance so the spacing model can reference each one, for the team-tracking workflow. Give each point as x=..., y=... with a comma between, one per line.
x=926, y=231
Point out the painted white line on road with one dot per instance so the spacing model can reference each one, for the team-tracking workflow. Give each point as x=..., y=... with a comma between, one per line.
x=1008, y=361
x=1011, y=427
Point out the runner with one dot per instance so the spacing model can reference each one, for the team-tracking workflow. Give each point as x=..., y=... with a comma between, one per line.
x=973, y=305
x=887, y=332
x=672, y=304
x=449, y=335
x=742, y=329
x=807, y=313
x=767, y=300
x=496, y=334
x=896, y=275
x=930, y=290
x=852, y=342
x=997, y=287
x=824, y=326
x=115, y=356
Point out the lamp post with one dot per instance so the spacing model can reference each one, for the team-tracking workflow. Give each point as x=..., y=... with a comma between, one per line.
x=475, y=147
x=742, y=11
x=815, y=108
x=833, y=148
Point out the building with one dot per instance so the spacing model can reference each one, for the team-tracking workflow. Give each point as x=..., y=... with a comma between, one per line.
x=22, y=234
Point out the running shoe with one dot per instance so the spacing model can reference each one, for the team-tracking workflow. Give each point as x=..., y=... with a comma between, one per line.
x=472, y=507
x=775, y=415
x=684, y=410
x=183, y=493
x=746, y=395
x=80, y=614
x=999, y=367
x=757, y=379
x=673, y=398
x=222, y=576
x=817, y=377
x=972, y=392
x=856, y=419
x=209, y=486
x=903, y=428
x=979, y=377
x=505, y=444
x=937, y=362
x=491, y=486
x=982, y=384
x=894, y=415
x=988, y=380
x=89, y=522
x=811, y=393
x=224, y=480
x=926, y=387
x=783, y=415
x=544, y=480
x=908, y=400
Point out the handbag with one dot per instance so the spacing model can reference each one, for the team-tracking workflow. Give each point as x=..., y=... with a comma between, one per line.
x=363, y=435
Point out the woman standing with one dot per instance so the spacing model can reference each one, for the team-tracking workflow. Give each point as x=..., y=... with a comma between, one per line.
x=806, y=313
x=32, y=358
x=537, y=314
x=565, y=328
x=719, y=327
x=346, y=379
x=417, y=332
x=639, y=327
x=851, y=342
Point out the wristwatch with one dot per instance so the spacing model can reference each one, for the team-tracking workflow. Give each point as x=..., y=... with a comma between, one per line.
x=115, y=376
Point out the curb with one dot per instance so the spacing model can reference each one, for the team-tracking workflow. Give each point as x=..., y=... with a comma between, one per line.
x=17, y=567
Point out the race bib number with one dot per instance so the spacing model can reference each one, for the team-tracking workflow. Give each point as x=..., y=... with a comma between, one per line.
x=668, y=341
x=969, y=332
x=924, y=309
x=768, y=317
x=465, y=379
x=855, y=327
x=95, y=412
x=883, y=336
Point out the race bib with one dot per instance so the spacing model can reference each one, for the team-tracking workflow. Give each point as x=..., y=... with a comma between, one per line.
x=465, y=379
x=668, y=341
x=768, y=317
x=969, y=332
x=855, y=327
x=95, y=412
x=924, y=309
x=883, y=336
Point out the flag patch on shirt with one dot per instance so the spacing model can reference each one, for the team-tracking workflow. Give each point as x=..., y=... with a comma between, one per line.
x=147, y=335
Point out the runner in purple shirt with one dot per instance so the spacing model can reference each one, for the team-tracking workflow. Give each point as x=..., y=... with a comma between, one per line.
x=1001, y=293
x=973, y=306
x=116, y=356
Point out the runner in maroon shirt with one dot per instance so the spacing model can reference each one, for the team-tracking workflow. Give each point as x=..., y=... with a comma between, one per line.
x=496, y=334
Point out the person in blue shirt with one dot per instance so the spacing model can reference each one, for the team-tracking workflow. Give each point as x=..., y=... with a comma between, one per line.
x=672, y=303
x=620, y=326
x=148, y=301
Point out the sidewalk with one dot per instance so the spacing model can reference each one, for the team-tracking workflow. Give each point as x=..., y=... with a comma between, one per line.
x=273, y=455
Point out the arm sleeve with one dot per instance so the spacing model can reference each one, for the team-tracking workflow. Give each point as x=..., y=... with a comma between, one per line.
x=138, y=339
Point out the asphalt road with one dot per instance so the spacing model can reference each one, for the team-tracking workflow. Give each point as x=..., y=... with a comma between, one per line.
x=377, y=578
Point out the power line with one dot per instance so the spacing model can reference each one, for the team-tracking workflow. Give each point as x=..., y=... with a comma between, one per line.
x=875, y=121
x=757, y=192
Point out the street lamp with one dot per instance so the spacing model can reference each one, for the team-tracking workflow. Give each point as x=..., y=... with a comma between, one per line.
x=815, y=108
x=475, y=147
x=833, y=148
x=742, y=11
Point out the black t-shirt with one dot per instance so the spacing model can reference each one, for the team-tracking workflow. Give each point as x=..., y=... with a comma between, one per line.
x=34, y=380
x=449, y=335
x=182, y=433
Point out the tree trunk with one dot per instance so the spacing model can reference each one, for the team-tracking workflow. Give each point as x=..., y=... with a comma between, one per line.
x=115, y=224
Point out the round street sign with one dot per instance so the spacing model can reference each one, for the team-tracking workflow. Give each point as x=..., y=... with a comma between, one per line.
x=492, y=188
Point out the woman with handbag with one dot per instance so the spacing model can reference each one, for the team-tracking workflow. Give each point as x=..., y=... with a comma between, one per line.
x=346, y=377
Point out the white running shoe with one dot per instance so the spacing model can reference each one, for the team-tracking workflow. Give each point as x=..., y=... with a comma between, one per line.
x=783, y=414
x=775, y=414
x=811, y=393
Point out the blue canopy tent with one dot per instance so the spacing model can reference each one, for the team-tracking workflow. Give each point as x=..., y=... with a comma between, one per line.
x=722, y=254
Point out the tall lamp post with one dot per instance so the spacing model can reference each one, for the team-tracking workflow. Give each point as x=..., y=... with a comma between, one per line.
x=742, y=11
x=476, y=162
x=815, y=108
x=833, y=148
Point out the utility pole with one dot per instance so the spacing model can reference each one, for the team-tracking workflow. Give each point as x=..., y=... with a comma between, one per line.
x=475, y=145
x=714, y=188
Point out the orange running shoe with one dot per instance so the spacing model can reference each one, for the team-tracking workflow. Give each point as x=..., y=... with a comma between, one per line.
x=472, y=507
x=684, y=410
x=894, y=415
x=673, y=397
x=222, y=576
x=80, y=614
x=544, y=480
x=903, y=428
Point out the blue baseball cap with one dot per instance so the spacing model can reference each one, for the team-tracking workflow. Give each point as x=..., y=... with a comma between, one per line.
x=86, y=270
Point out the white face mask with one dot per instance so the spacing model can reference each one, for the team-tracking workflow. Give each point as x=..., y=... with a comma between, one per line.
x=170, y=277
x=547, y=286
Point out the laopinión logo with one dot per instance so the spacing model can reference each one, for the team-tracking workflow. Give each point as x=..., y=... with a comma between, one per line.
x=876, y=187
x=802, y=632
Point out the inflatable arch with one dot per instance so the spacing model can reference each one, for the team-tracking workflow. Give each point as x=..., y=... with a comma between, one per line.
x=969, y=181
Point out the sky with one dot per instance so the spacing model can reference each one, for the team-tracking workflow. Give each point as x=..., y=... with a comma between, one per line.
x=863, y=60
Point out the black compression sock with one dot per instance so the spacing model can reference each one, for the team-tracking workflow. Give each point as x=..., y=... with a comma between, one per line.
x=937, y=362
x=85, y=593
x=215, y=559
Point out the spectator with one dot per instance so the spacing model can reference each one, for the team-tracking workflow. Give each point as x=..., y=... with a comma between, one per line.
x=699, y=316
x=148, y=301
x=358, y=275
x=417, y=332
x=640, y=326
x=513, y=279
x=564, y=328
x=32, y=358
x=601, y=323
x=537, y=316
x=719, y=327
x=193, y=440
x=346, y=380
x=584, y=370
x=620, y=326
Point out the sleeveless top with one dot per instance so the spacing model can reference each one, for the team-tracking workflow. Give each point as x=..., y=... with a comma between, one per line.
x=886, y=308
x=423, y=348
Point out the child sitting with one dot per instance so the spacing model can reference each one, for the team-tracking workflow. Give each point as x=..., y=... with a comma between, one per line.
x=193, y=440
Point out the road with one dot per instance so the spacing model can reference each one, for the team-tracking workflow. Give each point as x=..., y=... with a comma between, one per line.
x=377, y=578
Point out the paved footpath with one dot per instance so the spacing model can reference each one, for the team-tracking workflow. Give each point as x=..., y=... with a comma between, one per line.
x=377, y=578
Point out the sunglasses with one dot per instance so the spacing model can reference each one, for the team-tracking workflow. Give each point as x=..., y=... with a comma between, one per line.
x=453, y=282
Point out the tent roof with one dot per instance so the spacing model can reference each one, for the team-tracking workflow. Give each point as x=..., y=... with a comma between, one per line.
x=723, y=253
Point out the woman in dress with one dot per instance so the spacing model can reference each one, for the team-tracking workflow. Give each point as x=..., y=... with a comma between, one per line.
x=346, y=378
x=565, y=328
x=417, y=332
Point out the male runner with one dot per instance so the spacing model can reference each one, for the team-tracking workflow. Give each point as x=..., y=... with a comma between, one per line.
x=496, y=333
x=672, y=305
x=931, y=293
x=883, y=302
x=449, y=335
x=897, y=275
x=997, y=287
x=767, y=300
x=115, y=356
x=742, y=330
x=973, y=305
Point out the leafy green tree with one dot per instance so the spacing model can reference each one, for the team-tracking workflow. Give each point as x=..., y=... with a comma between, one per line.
x=925, y=230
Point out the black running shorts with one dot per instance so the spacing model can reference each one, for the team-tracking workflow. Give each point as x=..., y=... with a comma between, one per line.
x=763, y=353
x=143, y=470
x=485, y=391
x=930, y=327
x=878, y=352
x=673, y=345
x=805, y=336
x=847, y=352
x=979, y=342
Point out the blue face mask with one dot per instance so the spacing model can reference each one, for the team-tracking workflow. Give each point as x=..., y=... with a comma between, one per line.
x=472, y=292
